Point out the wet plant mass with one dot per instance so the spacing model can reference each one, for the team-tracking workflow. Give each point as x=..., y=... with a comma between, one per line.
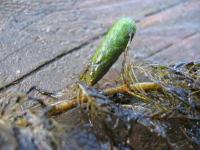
x=151, y=107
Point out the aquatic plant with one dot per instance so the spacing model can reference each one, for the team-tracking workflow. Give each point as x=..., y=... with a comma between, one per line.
x=152, y=106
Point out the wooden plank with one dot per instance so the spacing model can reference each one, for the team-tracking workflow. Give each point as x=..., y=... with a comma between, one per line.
x=29, y=40
x=60, y=74
x=64, y=26
x=162, y=30
x=185, y=51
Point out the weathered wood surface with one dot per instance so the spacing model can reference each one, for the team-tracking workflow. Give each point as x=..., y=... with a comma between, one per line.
x=47, y=43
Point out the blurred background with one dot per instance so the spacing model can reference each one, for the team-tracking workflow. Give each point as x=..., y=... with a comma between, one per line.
x=47, y=43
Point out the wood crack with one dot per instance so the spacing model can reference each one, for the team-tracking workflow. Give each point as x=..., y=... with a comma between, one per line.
x=48, y=62
x=163, y=9
x=171, y=44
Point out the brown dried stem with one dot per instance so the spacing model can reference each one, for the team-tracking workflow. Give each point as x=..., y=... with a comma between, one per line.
x=64, y=106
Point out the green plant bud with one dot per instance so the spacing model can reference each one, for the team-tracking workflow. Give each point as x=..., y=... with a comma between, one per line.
x=113, y=44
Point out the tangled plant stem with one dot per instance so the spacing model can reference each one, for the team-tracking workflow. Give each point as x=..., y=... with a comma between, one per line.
x=64, y=106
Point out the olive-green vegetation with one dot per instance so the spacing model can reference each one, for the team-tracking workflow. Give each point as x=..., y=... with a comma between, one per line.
x=151, y=107
x=113, y=44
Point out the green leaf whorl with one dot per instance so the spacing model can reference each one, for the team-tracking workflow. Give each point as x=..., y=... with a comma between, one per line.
x=113, y=44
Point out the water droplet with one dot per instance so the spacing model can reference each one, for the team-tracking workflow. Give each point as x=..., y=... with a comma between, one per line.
x=77, y=55
x=18, y=72
x=47, y=29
